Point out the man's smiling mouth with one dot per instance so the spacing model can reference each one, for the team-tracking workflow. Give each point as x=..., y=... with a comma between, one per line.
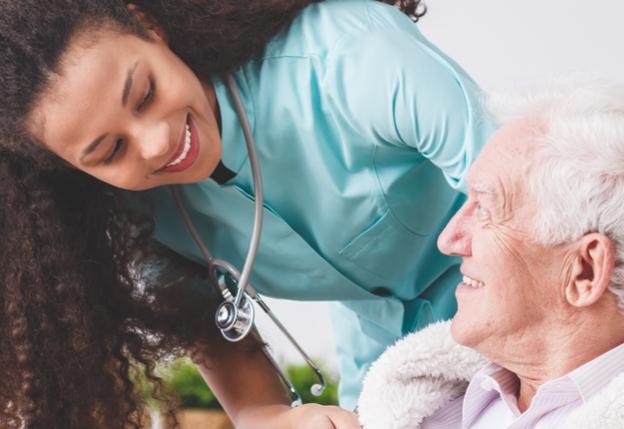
x=477, y=284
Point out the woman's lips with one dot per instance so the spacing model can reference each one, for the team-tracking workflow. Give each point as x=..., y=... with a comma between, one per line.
x=191, y=148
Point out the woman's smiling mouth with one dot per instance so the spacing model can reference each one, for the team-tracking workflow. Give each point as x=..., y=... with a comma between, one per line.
x=187, y=152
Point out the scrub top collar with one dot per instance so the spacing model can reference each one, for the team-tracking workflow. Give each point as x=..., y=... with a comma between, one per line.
x=234, y=152
x=222, y=174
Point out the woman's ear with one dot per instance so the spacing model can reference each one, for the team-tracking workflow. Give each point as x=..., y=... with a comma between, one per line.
x=591, y=270
x=150, y=24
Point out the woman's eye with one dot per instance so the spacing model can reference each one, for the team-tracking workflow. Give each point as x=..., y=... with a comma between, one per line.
x=118, y=146
x=148, y=97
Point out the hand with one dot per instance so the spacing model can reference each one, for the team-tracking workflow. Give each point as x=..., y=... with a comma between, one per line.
x=314, y=416
x=307, y=416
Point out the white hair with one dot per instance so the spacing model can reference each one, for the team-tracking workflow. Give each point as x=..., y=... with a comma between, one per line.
x=578, y=174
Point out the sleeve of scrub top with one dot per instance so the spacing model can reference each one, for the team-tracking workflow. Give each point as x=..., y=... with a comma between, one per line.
x=395, y=88
x=356, y=352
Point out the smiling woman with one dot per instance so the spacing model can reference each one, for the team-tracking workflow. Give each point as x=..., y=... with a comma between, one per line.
x=74, y=316
x=358, y=144
x=126, y=111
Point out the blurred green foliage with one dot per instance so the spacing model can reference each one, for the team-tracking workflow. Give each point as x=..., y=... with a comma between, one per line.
x=184, y=379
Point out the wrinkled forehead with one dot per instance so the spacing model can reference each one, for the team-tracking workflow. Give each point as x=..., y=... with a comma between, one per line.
x=508, y=155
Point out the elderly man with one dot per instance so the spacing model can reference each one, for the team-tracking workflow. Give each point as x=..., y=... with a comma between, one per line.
x=538, y=339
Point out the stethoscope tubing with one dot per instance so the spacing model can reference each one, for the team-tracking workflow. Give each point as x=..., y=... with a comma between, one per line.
x=242, y=279
x=258, y=191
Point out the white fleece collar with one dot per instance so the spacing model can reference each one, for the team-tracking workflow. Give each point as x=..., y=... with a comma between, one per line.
x=424, y=371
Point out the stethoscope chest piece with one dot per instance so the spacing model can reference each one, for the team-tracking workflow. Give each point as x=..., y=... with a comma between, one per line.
x=233, y=321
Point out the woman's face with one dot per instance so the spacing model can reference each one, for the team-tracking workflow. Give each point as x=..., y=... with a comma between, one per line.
x=129, y=112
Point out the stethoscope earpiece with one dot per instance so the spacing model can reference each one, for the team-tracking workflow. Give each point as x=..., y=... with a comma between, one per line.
x=317, y=390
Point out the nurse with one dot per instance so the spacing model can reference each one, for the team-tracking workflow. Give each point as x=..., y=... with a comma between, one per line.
x=364, y=132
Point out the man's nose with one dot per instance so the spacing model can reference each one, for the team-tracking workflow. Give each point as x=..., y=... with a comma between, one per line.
x=456, y=238
x=154, y=141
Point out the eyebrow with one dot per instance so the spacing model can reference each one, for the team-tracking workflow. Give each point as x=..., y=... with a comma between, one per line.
x=128, y=84
x=124, y=100
x=93, y=146
x=481, y=188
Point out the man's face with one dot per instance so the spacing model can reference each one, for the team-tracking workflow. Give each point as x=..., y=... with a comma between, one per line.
x=512, y=286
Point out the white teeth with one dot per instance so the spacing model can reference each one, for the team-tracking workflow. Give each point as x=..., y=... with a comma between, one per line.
x=187, y=147
x=472, y=282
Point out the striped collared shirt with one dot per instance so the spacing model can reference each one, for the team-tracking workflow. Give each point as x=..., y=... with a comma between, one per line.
x=490, y=400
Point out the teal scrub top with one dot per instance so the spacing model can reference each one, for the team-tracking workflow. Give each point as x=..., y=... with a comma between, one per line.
x=364, y=132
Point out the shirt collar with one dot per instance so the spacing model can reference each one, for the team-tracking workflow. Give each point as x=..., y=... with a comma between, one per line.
x=488, y=384
x=597, y=373
x=494, y=382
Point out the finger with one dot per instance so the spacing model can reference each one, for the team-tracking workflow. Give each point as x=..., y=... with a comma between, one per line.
x=343, y=419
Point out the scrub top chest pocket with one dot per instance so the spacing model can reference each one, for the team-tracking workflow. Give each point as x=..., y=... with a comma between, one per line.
x=370, y=248
x=396, y=250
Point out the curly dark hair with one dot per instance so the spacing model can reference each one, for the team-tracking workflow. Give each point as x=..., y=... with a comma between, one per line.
x=78, y=314
x=235, y=25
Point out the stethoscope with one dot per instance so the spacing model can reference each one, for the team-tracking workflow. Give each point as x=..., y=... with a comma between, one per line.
x=235, y=315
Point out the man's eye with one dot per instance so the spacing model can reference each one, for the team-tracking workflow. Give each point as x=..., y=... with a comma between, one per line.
x=118, y=146
x=482, y=212
x=148, y=97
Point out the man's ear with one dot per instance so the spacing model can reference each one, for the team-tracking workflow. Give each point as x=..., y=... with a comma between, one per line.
x=150, y=24
x=591, y=271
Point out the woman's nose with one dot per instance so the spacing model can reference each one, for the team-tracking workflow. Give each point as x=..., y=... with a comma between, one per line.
x=456, y=238
x=154, y=141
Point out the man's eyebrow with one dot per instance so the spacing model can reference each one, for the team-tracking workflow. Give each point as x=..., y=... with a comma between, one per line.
x=481, y=188
x=128, y=84
x=93, y=146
